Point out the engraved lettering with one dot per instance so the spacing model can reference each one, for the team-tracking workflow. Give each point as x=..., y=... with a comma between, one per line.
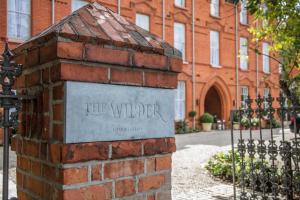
x=116, y=109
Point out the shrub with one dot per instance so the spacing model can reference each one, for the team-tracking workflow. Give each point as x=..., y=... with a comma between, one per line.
x=206, y=118
x=245, y=122
x=220, y=166
x=181, y=127
x=254, y=121
x=274, y=122
x=192, y=114
x=236, y=117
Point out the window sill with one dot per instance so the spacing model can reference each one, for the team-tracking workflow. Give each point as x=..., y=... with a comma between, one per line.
x=216, y=17
x=12, y=40
x=180, y=7
x=185, y=62
x=216, y=66
x=244, y=24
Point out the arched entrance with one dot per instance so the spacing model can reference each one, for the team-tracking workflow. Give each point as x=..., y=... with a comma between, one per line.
x=213, y=103
x=215, y=98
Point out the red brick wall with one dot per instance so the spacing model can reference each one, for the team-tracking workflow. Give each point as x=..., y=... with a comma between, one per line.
x=206, y=76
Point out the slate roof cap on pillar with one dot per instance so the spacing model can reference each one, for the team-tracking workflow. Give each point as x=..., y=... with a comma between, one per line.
x=97, y=24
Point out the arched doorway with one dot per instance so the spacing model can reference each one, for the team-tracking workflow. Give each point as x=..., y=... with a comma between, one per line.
x=213, y=103
x=219, y=89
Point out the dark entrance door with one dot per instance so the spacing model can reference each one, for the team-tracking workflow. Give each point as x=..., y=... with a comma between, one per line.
x=213, y=104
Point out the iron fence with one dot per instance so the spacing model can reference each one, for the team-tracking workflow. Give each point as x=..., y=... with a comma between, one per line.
x=265, y=163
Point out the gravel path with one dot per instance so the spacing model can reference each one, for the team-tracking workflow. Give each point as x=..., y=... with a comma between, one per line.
x=191, y=181
x=12, y=183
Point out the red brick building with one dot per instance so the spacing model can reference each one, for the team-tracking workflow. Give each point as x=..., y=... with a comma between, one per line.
x=219, y=66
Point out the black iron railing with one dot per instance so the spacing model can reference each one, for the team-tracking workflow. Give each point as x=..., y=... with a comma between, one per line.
x=11, y=104
x=268, y=166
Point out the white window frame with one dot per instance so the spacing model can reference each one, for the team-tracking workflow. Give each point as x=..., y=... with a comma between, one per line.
x=215, y=48
x=76, y=4
x=244, y=96
x=19, y=15
x=265, y=58
x=180, y=3
x=180, y=101
x=142, y=21
x=179, y=38
x=215, y=8
x=266, y=95
x=243, y=53
x=243, y=13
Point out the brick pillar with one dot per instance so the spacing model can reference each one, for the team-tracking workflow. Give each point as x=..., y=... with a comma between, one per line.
x=50, y=168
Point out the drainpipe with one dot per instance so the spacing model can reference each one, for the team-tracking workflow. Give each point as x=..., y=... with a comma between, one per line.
x=193, y=61
x=119, y=7
x=257, y=77
x=164, y=19
x=236, y=54
x=53, y=11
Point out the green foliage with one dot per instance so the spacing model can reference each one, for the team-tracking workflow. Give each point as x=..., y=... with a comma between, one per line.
x=245, y=122
x=274, y=123
x=281, y=26
x=206, y=118
x=192, y=114
x=220, y=166
x=254, y=121
x=236, y=117
x=181, y=127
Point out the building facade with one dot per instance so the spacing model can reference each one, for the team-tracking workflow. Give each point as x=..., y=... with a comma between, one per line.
x=220, y=67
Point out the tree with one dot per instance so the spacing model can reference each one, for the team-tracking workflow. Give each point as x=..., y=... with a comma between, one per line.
x=278, y=21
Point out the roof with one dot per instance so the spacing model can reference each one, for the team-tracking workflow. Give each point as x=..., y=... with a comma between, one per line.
x=95, y=23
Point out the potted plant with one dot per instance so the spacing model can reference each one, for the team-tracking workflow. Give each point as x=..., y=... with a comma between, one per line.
x=206, y=121
x=245, y=122
x=192, y=114
x=181, y=127
x=236, y=123
x=254, y=122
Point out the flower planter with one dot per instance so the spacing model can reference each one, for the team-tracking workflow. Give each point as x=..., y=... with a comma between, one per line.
x=236, y=126
x=206, y=127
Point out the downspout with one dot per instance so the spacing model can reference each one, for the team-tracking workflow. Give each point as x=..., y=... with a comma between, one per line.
x=119, y=7
x=53, y=11
x=193, y=62
x=257, y=76
x=236, y=55
x=163, y=19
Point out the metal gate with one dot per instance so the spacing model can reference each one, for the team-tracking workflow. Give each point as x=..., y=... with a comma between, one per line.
x=265, y=161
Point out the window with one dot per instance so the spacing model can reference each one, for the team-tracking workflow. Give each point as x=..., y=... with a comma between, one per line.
x=76, y=4
x=244, y=96
x=19, y=19
x=180, y=3
x=266, y=59
x=214, y=48
x=280, y=68
x=142, y=21
x=180, y=101
x=266, y=95
x=214, y=8
x=243, y=53
x=265, y=10
x=243, y=13
x=179, y=38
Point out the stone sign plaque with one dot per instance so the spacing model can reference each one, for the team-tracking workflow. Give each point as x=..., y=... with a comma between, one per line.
x=103, y=112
